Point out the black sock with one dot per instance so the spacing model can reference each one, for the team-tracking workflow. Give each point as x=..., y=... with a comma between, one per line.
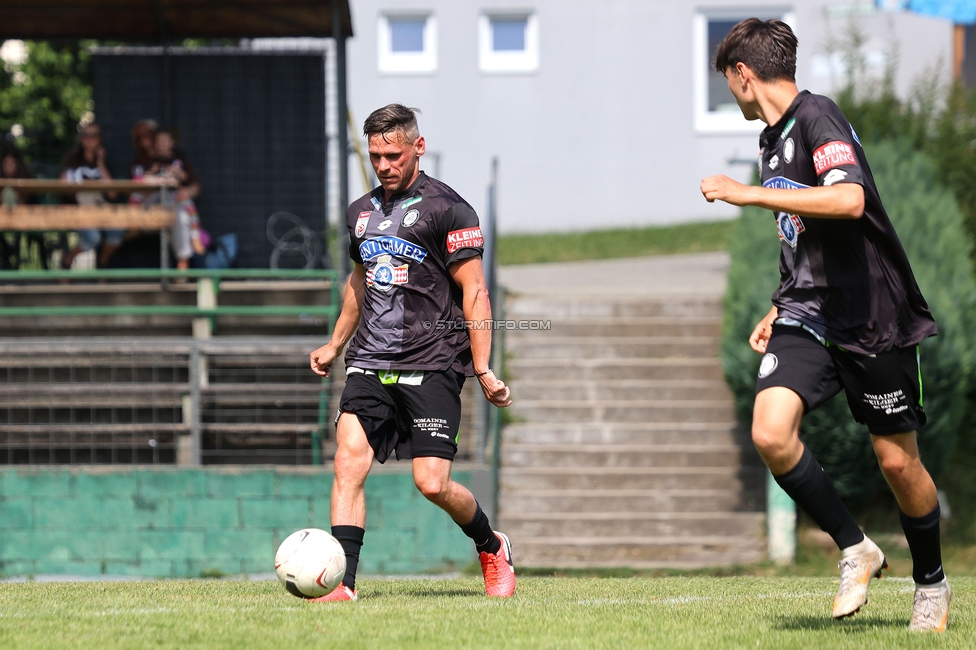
x=923, y=537
x=811, y=488
x=479, y=529
x=351, y=538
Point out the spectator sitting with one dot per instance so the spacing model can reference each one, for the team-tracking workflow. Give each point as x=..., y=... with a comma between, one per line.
x=86, y=162
x=170, y=162
x=143, y=138
x=12, y=165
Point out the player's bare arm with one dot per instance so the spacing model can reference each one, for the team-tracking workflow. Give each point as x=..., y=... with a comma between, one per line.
x=841, y=201
x=469, y=275
x=764, y=329
x=346, y=324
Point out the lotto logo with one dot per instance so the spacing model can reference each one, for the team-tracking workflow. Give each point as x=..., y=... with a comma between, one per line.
x=465, y=238
x=833, y=154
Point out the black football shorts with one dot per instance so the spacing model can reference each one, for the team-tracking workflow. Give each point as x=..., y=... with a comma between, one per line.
x=884, y=391
x=417, y=414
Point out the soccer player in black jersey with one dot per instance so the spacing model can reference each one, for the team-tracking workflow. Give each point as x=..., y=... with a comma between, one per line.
x=416, y=310
x=847, y=314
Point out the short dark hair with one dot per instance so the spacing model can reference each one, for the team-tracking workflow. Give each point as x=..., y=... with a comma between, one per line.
x=767, y=47
x=390, y=119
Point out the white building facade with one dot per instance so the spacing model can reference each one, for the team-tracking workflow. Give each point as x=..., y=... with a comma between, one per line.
x=602, y=113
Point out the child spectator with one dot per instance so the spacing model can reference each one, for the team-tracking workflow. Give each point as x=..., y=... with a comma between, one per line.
x=170, y=162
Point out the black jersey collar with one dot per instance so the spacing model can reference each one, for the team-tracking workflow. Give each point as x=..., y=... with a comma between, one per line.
x=414, y=187
x=770, y=133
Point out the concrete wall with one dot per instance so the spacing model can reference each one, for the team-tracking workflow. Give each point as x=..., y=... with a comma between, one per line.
x=176, y=523
x=603, y=133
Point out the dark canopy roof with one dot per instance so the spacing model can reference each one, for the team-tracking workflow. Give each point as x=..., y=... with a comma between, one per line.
x=154, y=20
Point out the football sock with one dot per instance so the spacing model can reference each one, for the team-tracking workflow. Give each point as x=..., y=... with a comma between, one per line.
x=351, y=538
x=924, y=542
x=479, y=530
x=811, y=488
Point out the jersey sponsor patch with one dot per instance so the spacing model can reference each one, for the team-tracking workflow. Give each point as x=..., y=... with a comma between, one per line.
x=386, y=223
x=384, y=276
x=774, y=162
x=781, y=183
x=789, y=226
x=361, y=224
x=834, y=176
x=833, y=154
x=376, y=246
x=464, y=238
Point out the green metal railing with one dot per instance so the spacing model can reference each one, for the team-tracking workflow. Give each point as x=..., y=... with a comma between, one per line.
x=206, y=309
x=208, y=281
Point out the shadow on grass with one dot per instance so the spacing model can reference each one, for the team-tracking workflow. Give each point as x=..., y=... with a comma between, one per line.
x=848, y=625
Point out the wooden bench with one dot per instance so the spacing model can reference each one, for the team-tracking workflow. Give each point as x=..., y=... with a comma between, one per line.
x=71, y=218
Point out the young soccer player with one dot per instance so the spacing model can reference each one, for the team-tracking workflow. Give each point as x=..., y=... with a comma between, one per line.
x=847, y=315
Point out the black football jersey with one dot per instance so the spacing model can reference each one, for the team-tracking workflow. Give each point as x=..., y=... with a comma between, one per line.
x=411, y=313
x=849, y=280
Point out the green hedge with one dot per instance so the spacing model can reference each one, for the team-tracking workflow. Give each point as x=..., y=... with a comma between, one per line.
x=930, y=225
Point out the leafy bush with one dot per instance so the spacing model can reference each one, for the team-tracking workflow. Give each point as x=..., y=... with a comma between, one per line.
x=930, y=225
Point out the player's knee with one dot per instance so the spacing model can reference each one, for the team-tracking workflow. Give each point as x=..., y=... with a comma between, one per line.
x=896, y=466
x=432, y=487
x=768, y=441
x=350, y=466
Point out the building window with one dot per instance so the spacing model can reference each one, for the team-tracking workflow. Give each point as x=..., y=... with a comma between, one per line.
x=508, y=43
x=715, y=107
x=407, y=43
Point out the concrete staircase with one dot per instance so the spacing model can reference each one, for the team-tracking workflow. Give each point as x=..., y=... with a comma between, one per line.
x=623, y=450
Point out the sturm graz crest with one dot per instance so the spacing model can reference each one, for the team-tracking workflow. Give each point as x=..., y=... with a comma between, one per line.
x=410, y=218
x=768, y=365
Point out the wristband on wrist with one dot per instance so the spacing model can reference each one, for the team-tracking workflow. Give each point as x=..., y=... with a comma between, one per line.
x=481, y=374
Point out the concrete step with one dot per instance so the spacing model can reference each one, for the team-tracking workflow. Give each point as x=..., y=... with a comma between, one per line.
x=620, y=456
x=528, y=479
x=636, y=552
x=570, y=367
x=556, y=307
x=627, y=501
x=544, y=346
x=611, y=433
x=624, y=411
x=619, y=389
x=623, y=326
x=647, y=525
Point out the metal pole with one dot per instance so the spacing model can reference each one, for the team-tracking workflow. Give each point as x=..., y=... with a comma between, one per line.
x=343, y=134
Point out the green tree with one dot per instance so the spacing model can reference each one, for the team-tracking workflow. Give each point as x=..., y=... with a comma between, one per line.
x=46, y=97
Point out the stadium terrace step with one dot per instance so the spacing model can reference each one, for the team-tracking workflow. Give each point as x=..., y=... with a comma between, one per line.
x=637, y=552
x=624, y=411
x=596, y=525
x=617, y=389
x=628, y=477
x=623, y=501
x=600, y=368
x=611, y=347
x=646, y=456
x=627, y=433
x=623, y=448
x=595, y=307
x=632, y=326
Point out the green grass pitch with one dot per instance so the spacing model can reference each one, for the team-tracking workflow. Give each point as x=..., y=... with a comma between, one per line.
x=668, y=612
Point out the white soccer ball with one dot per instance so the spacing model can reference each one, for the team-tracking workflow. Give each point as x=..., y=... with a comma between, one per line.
x=310, y=563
